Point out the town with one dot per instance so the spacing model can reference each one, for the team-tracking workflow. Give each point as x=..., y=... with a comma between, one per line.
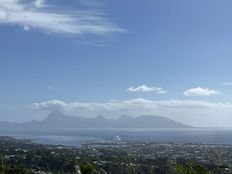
x=26, y=157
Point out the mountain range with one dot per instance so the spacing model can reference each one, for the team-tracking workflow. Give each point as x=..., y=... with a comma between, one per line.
x=57, y=120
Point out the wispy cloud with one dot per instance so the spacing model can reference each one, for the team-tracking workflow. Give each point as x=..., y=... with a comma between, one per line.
x=91, y=43
x=201, y=92
x=145, y=88
x=39, y=3
x=226, y=83
x=53, y=19
x=53, y=88
x=161, y=91
x=133, y=104
x=193, y=112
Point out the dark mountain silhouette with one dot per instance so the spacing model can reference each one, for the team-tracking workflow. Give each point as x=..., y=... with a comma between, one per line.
x=56, y=120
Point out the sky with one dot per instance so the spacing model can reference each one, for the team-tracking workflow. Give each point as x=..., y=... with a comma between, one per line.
x=98, y=57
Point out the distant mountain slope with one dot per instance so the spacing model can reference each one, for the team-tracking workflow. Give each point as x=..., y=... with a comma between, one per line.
x=56, y=120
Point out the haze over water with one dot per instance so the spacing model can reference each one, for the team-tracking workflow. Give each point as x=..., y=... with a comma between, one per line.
x=77, y=137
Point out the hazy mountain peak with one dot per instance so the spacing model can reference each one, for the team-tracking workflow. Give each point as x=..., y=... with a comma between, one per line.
x=125, y=117
x=100, y=117
x=55, y=115
x=56, y=120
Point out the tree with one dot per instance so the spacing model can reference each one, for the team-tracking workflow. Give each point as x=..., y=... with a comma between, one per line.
x=87, y=169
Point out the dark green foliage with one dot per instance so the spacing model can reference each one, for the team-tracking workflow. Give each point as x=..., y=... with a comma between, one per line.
x=87, y=169
x=13, y=169
x=191, y=168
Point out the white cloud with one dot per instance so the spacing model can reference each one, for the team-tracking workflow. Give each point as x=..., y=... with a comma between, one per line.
x=162, y=91
x=193, y=112
x=39, y=3
x=52, y=19
x=133, y=104
x=145, y=88
x=201, y=92
x=142, y=88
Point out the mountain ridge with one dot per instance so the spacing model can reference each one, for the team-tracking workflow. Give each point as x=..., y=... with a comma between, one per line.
x=56, y=120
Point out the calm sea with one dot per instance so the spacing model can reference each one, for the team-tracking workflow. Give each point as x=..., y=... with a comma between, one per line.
x=77, y=137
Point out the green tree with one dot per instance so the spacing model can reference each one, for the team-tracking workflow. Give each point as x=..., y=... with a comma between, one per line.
x=87, y=169
x=190, y=168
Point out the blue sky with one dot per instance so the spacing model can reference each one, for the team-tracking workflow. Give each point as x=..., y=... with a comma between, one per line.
x=171, y=58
